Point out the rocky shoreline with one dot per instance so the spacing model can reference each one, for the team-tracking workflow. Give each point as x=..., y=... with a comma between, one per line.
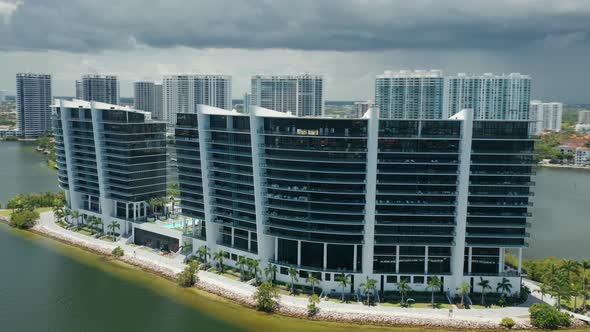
x=324, y=314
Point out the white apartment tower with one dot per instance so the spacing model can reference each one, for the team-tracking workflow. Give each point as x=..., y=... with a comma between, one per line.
x=545, y=116
x=584, y=117
x=407, y=94
x=300, y=95
x=431, y=95
x=101, y=88
x=79, y=92
x=148, y=97
x=182, y=94
x=33, y=101
x=492, y=97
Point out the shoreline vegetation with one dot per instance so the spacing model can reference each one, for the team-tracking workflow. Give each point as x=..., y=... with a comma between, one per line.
x=247, y=295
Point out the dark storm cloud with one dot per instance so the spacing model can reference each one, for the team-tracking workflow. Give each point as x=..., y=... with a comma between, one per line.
x=342, y=25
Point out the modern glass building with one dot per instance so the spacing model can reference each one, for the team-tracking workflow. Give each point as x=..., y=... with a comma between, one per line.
x=101, y=88
x=182, y=94
x=33, y=104
x=408, y=94
x=389, y=199
x=300, y=95
x=148, y=97
x=111, y=160
x=424, y=94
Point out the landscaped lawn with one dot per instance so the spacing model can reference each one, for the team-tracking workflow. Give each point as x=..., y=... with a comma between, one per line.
x=107, y=238
x=84, y=232
x=7, y=212
x=426, y=305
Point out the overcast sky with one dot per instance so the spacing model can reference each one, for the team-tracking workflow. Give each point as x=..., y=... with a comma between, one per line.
x=348, y=41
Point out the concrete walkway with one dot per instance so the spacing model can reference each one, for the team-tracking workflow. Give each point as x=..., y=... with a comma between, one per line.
x=549, y=299
x=173, y=265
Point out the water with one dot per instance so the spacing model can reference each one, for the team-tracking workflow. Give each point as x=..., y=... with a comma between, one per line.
x=23, y=170
x=48, y=286
x=561, y=222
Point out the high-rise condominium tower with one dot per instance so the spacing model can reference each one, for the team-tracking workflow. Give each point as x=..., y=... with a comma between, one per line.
x=33, y=104
x=301, y=95
x=545, y=116
x=148, y=97
x=410, y=94
x=101, y=88
x=79, y=91
x=182, y=94
x=386, y=199
x=111, y=161
x=430, y=95
x=492, y=97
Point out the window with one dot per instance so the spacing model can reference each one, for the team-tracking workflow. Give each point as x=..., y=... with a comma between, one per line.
x=391, y=279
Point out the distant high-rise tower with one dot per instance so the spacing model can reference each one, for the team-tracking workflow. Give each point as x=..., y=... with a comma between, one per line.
x=545, y=116
x=3, y=94
x=182, y=94
x=410, y=94
x=148, y=97
x=359, y=108
x=247, y=102
x=33, y=104
x=492, y=97
x=102, y=88
x=79, y=93
x=301, y=95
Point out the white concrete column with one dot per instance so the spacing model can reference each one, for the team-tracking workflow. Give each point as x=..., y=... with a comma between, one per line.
x=325, y=256
x=370, y=192
x=265, y=242
x=232, y=236
x=298, y=253
x=396, y=259
x=249, y=241
x=276, y=258
x=426, y=260
x=519, y=261
x=470, y=260
x=212, y=228
x=501, y=261
x=458, y=250
x=73, y=198
x=354, y=253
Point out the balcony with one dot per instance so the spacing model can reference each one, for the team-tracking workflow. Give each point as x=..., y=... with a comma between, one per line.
x=321, y=220
x=230, y=180
x=314, y=237
x=305, y=199
x=341, y=149
x=325, y=135
x=310, y=189
x=319, y=169
x=316, y=159
x=315, y=210
x=307, y=180
x=498, y=214
x=313, y=228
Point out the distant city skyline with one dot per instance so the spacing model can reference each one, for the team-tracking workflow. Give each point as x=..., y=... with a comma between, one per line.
x=348, y=42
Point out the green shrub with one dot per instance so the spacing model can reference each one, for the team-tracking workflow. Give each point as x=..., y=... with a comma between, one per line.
x=266, y=297
x=544, y=316
x=23, y=219
x=507, y=322
x=118, y=252
x=312, y=306
x=187, y=278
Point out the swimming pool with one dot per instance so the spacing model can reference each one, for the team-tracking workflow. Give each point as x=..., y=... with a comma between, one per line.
x=176, y=224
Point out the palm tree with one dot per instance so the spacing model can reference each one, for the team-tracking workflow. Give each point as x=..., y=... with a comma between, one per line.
x=219, y=256
x=293, y=275
x=570, y=267
x=403, y=288
x=575, y=290
x=58, y=212
x=76, y=215
x=504, y=286
x=98, y=221
x=67, y=213
x=585, y=267
x=433, y=284
x=560, y=287
x=242, y=262
x=91, y=222
x=463, y=291
x=543, y=289
x=204, y=252
x=485, y=286
x=270, y=272
x=368, y=287
x=113, y=226
x=312, y=281
x=342, y=282
x=253, y=266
